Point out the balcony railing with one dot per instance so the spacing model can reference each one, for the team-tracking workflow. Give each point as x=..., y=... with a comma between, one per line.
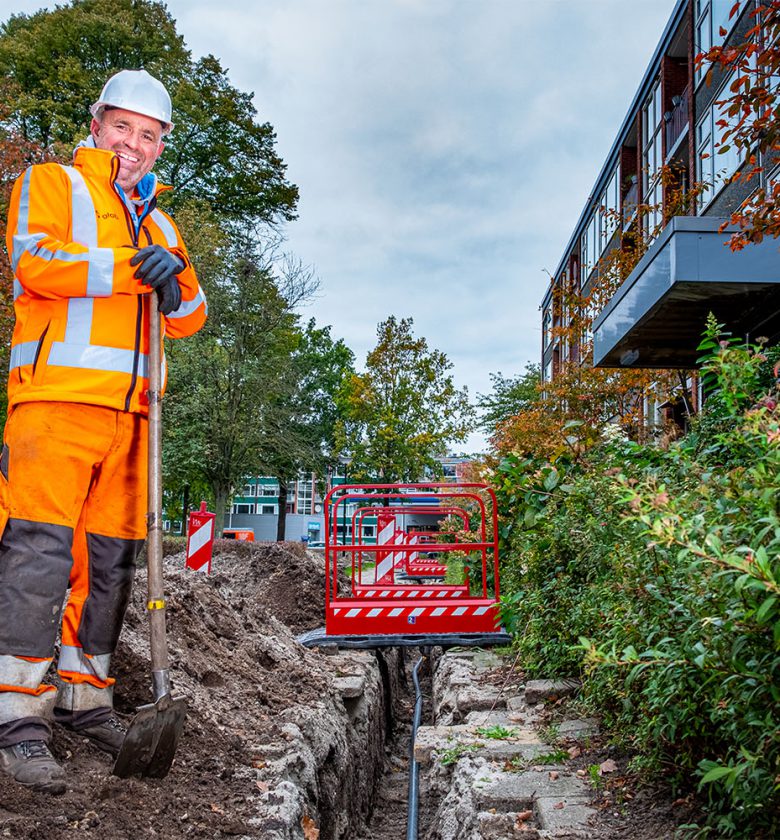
x=676, y=119
x=629, y=206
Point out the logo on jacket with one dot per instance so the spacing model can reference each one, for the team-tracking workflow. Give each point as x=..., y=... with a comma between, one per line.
x=107, y=215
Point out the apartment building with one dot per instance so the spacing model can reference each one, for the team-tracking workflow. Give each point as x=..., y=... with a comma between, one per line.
x=655, y=317
x=256, y=505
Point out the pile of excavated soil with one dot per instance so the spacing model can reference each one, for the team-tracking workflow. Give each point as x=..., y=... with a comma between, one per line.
x=233, y=655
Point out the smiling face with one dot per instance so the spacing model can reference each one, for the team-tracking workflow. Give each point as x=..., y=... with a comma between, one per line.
x=134, y=138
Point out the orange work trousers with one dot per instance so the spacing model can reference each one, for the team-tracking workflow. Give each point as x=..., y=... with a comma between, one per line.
x=73, y=515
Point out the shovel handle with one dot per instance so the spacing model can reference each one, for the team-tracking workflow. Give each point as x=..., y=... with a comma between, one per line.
x=156, y=593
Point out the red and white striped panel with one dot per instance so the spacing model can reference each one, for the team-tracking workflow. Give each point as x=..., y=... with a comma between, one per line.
x=385, y=560
x=376, y=616
x=410, y=592
x=411, y=611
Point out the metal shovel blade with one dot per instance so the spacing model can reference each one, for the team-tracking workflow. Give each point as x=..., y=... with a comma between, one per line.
x=152, y=738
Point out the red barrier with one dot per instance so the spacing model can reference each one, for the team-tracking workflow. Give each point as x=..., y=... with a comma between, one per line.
x=200, y=539
x=384, y=610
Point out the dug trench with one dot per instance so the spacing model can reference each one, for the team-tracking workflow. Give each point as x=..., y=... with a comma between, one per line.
x=284, y=742
x=280, y=741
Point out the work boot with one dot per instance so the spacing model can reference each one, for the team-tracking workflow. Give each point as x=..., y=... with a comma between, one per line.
x=107, y=735
x=32, y=765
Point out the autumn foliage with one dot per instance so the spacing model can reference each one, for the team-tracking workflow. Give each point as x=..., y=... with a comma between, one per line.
x=578, y=393
x=751, y=118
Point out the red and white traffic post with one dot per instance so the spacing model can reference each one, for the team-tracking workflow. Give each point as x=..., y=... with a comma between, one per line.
x=200, y=539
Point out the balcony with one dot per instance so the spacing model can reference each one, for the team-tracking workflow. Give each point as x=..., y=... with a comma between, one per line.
x=656, y=317
x=676, y=123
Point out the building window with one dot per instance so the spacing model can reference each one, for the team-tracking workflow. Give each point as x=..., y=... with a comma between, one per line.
x=268, y=490
x=249, y=490
x=266, y=509
x=368, y=530
x=610, y=205
x=713, y=168
x=243, y=508
x=305, y=491
x=652, y=159
x=546, y=328
x=601, y=227
x=711, y=17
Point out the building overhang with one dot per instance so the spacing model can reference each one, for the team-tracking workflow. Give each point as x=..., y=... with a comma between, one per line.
x=657, y=316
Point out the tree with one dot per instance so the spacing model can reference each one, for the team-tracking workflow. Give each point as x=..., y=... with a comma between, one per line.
x=224, y=380
x=14, y=150
x=403, y=411
x=510, y=396
x=304, y=414
x=59, y=60
x=751, y=118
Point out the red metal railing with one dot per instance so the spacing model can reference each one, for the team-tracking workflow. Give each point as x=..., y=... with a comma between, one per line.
x=342, y=494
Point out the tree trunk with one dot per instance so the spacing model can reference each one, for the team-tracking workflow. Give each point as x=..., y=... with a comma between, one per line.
x=221, y=494
x=282, y=519
x=185, y=509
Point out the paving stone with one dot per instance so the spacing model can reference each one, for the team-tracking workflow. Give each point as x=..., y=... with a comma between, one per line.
x=475, y=698
x=511, y=791
x=496, y=717
x=524, y=744
x=502, y=827
x=572, y=820
x=578, y=728
x=350, y=687
x=516, y=704
x=540, y=690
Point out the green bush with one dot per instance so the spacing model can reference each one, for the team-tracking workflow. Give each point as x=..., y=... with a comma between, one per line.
x=655, y=573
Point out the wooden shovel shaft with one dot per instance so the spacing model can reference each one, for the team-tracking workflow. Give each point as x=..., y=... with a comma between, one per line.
x=156, y=593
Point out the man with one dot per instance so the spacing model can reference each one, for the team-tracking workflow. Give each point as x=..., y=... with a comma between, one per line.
x=88, y=246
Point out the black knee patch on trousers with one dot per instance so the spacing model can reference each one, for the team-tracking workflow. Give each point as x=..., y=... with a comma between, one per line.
x=111, y=573
x=35, y=562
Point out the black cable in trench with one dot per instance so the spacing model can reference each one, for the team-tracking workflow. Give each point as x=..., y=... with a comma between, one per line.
x=414, y=767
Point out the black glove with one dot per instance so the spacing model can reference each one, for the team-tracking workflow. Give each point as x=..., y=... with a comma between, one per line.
x=158, y=269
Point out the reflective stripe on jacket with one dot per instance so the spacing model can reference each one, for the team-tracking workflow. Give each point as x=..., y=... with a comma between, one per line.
x=81, y=334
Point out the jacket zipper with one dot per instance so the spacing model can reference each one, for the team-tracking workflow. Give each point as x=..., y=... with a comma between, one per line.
x=140, y=310
x=39, y=348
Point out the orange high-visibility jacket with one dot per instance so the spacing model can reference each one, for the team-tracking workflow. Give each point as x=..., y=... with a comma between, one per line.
x=82, y=331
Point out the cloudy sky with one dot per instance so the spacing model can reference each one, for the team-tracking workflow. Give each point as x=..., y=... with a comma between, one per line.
x=443, y=149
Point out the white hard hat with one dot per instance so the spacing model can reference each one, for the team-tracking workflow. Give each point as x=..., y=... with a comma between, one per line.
x=137, y=91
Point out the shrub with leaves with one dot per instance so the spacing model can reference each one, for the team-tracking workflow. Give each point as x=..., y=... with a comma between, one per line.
x=656, y=572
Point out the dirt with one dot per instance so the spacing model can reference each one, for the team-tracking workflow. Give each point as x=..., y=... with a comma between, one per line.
x=233, y=656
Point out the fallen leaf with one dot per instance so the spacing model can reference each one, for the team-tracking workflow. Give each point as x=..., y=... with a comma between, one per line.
x=522, y=817
x=263, y=786
x=215, y=809
x=258, y=763
x=553, y=775
x=607, y=766
x=310, y=830
x=582, y=773
x=574, y=752
x=559, y=805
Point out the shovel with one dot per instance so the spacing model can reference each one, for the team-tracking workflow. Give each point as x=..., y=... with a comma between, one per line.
x=151, y=740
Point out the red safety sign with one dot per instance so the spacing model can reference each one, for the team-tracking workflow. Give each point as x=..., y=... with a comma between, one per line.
x=200, y=539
